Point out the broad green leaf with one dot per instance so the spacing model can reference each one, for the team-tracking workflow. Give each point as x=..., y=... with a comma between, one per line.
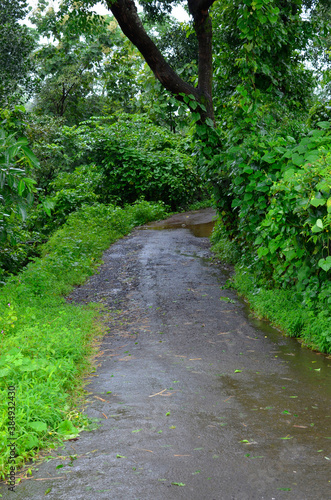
x=316, y=202
x=273, y=245
x=21, y=187
x=325, y=264
x=290, y=254
x=298, y=159
x=269, y=158
x=262, y=251
x=288, y=174
x=67, y=428
x=31, y=442
x=324, y=125
x=38, y=426
x=22, y=211
x=32, y=159
x=11, y=152
x=196, y=117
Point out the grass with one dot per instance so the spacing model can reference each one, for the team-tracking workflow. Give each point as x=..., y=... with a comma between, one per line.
x=285, y=311
x=284, y=308
x=198, y=205
x=46, y=344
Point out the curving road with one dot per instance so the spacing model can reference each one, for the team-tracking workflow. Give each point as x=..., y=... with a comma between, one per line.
x=205, y=403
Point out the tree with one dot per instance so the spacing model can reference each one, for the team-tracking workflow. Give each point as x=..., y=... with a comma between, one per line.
x=125, y=11
x=262, y=44
x=16, y=44
x=84, y=72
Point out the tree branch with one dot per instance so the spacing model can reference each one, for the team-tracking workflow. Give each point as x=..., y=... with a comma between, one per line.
x=127, y=17
x=126, y=14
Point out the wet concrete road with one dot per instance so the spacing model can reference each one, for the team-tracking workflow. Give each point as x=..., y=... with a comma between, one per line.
x=206, y=403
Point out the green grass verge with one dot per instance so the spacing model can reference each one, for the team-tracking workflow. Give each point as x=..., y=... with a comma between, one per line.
x=282, y=307
x=46, y=343
x=286, y=312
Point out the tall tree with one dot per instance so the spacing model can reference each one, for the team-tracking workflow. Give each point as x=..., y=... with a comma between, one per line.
x=16, y=44
x=83, y=70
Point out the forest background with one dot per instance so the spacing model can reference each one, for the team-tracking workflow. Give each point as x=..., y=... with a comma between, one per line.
x=231, y=108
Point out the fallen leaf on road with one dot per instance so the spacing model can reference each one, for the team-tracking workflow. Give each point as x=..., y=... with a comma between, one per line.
x=101, y=399
x=157, y=394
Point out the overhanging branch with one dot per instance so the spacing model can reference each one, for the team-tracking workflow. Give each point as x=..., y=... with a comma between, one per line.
x=126, y=14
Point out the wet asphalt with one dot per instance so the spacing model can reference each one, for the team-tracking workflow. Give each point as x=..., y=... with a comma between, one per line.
x=206, y=403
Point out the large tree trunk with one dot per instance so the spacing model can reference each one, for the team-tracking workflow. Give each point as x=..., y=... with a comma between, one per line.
x=126, y=14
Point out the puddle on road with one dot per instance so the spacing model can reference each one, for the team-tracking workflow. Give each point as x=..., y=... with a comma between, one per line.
x=199, y=223
x=311, y=368
x=200, y=230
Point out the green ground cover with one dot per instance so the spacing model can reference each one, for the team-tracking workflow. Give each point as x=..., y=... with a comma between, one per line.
x=46, y=343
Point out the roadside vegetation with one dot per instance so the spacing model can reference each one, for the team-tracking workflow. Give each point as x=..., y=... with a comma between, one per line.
x=95, y=140
x=47, y=343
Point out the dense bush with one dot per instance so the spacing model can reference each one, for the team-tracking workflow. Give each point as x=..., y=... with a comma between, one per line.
x=273, y=193
x=138, y=159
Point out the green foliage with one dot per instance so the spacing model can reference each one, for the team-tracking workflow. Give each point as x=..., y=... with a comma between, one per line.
x=45, y=341
x=46, y=134
x=301, y=199
x=274, y=197
x=16, y=44
x=72, y=190
x=286, y=311
x=265, y=39
x=199, y=205
x=225, y=249
x=138, y=159
x=87, y=68
x=271, y=169
x=16, y=160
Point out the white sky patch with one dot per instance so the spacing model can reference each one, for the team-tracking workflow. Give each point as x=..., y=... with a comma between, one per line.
x=178, y=12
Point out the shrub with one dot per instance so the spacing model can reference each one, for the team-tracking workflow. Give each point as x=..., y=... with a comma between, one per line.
x=138, y=159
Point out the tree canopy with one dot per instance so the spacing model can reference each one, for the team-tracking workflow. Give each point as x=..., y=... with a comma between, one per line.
x=16, y=44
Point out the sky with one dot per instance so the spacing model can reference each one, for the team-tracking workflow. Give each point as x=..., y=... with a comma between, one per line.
x=177, y=12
